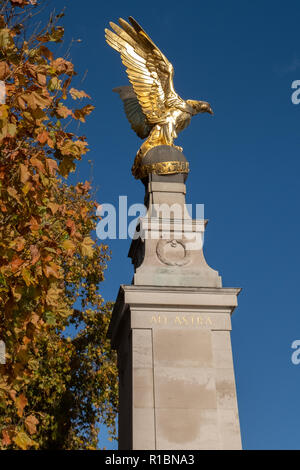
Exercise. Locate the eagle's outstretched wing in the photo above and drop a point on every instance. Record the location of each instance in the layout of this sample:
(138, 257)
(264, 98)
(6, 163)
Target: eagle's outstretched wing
(133, 111)
(148, 70)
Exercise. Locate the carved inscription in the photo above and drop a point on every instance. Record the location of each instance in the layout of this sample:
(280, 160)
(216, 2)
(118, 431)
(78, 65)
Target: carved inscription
(203, 321)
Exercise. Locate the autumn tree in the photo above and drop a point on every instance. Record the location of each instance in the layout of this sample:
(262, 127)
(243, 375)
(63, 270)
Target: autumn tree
(59, 381)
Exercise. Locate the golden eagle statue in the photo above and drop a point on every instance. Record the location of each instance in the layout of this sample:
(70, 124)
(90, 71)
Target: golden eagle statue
(152, 106)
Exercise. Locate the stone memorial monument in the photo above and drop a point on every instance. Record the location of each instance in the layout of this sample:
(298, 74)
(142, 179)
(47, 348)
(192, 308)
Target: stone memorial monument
(171, 326)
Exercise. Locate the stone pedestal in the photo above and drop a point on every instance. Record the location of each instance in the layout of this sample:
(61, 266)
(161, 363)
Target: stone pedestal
(171, 329)
(177, 387)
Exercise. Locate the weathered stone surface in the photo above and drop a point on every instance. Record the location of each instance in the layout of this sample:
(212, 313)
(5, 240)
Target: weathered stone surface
(177, 342)
(181, 428)
(184, 388)
(142, 348)
(182, 348)
(143, 388)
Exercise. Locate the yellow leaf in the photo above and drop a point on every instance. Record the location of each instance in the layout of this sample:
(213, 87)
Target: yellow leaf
(3, 111)
(54, 84)
(87, 247)
(53, 296)
(5, 38)
(69, 246)
(27, 187)
(24, 441)
(26, 275)
(12, 129)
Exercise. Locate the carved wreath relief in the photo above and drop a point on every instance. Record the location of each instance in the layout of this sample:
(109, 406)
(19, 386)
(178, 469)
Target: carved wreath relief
(173, 252)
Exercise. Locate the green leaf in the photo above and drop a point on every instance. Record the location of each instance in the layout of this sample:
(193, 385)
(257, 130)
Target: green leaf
(50, 318)
(5, 38)
(54, 84)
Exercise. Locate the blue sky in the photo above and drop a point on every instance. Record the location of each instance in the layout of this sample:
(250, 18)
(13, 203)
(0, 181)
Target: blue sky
(242, 57)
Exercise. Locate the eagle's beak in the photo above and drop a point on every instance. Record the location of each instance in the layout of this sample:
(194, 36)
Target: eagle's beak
(210, 111)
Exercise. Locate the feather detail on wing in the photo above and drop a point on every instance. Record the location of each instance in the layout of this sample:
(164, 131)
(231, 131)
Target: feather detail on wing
(148, 70)
(133, 111)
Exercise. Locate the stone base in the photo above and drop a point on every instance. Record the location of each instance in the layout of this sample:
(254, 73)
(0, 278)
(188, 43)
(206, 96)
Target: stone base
(169, 249)
(177, 386)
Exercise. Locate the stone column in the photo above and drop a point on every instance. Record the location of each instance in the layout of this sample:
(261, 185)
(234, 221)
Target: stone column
(171, 329)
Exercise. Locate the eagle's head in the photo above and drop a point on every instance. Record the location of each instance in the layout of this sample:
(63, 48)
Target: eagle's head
(200, 106)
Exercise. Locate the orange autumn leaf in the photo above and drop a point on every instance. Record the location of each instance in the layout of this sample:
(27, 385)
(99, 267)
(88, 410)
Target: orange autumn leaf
(42, 78)
(53, 207)
(26, 340)
(6, 440)
(33, 224)
(4, 70)
(12, 394)
(18, 244)
(35, 254)
(21, 402)
(31, 423)
(43, 137)
(83, 112)
(46, 52)
(24, 173)
(16, 263)
(62, 66)
(52, 269)
(52, 166)
(34, 318)
(71, 225)
(36, 162)
(13, 193)
(77, 94)
(38, 100)
(63, 111)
